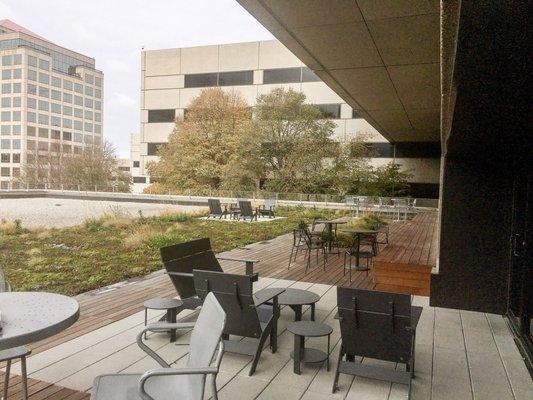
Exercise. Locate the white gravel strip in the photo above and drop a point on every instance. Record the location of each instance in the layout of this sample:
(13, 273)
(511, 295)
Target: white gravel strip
(49, 212)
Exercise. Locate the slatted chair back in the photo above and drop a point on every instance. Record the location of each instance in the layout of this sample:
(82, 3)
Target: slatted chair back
(183, 258)
(375, 324)
(234, 293)
(246, 208)
(214, 206)
(205, 338)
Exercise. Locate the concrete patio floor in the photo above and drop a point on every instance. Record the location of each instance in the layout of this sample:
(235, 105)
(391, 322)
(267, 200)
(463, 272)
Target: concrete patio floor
(459, 355)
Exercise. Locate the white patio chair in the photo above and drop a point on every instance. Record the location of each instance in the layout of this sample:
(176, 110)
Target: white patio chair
(185, 383)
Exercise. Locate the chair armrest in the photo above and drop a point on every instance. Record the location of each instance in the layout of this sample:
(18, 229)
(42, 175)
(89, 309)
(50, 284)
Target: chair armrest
(157, 327)
(249, 263)
(182, 274)
(266, 295)
(171, 372)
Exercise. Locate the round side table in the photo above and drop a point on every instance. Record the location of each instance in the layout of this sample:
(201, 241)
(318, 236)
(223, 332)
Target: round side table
(169, 305)
(301, 330)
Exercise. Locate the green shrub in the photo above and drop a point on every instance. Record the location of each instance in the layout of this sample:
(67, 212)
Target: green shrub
(174, 217)
(94, 224)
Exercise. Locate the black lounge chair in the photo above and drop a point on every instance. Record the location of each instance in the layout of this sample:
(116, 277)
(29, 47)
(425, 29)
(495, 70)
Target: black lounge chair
(378, 325)
(181, 259)
(267, 209)
(215, 209)
(248, 315)
(246, 210)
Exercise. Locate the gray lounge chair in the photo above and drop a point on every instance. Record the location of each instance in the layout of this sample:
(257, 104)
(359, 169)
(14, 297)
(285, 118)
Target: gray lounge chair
(249, 315)
(181, 259)
(186, 383)
(378, 325)
(247, 211)
(267, 209)
(215, 209)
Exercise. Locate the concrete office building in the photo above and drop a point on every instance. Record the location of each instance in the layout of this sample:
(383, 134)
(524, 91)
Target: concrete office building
(171, 78)
(51, 100)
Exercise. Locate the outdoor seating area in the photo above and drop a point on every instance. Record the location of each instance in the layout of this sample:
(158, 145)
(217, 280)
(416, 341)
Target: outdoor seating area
(242, 210)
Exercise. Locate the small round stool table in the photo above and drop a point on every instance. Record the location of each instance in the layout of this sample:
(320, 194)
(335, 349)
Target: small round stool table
(169, 305)
(295, 299)
(301, 330)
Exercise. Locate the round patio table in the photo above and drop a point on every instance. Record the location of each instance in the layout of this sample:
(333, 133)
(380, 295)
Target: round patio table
(295, 299)
(357, 232)
(27, 317)
(169, 305)
(329, 226)
(301, 354)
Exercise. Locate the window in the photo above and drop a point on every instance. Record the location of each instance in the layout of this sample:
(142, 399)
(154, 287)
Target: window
(56, 82)
(56, 134)
(30, 145)
(16, 158)
(55, 108)
(161, 115)
(97, 128)
(235, 78)
(97, 105)
(16, 102)
(201, 80)
(88, 103)
(67, 85)
(4, 171)
(355, 114)
(7, 60)
(55, 121)
(54, 147)
(44, 78)
(32, 89)
(6, 74)
(88, 127)
(5, 130)
(31, 102)
(17, 59)
(126, 169)
(6, 88)
(43, 146)
(88, 91)
(5, 144)
(67, 123)
(78, 137)
(44, 119)
(98, 93)
(89, 79)
(309, 76)
(139, 179)
(32, 61)
(330, 110)
(43, 133)
(78, 125)
(78, 88)
(282, 75)
(55, 95)
(16, 115)
(5, 158)
(44, 92)
(67, 136)
(136, 164)
(31, 117)
(30, 131)
(152, 148)
(16, 144)
(6, 102)
(78, 113)
(32, 75)
(78, 100)
(17, 129)
(98, 117)
(16, 87)
(67, 148)
(43, 105)
(98, 81)
(67, 97)
(67, 110)
(6, 115)
(17, 73)
(88, 114)
(44, 64)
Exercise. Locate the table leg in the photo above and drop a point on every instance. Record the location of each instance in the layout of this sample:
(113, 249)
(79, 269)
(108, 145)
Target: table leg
(299, 343)
(330, 237)
(171, 317)
(297, 312)
(6, 378)
(358, 250)
(327, 361)
(313, 312)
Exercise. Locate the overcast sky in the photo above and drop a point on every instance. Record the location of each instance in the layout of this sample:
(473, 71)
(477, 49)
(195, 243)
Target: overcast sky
(114, 31)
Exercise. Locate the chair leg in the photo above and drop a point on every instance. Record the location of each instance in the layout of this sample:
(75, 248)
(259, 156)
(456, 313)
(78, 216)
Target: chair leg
(214, 388)
(336, 378)
(290, 257)
(260, 346)
(6, 378)
(24, 378)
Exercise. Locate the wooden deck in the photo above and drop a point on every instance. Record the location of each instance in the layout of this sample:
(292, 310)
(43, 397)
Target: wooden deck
(111, 304)
(405, 264)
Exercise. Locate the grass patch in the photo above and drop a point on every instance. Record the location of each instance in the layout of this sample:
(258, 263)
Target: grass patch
(106, 250)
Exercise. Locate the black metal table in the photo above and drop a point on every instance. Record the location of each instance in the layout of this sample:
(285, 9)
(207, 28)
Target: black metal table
(301, 330)
(329, 226)
(169, 305)
(357, 232)
(295, 299)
